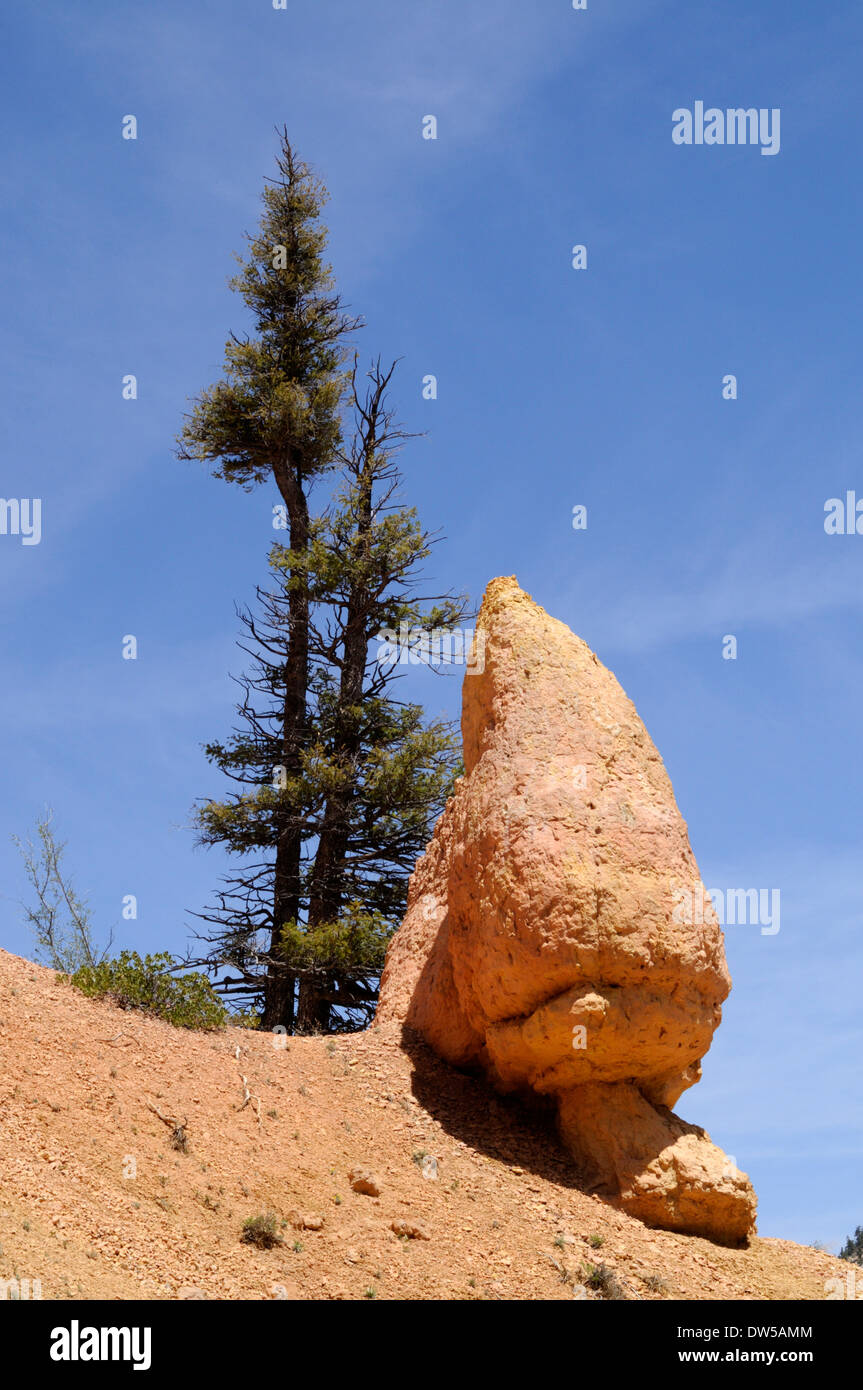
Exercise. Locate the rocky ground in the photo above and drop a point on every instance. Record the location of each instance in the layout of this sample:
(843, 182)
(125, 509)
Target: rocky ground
(95, 1202)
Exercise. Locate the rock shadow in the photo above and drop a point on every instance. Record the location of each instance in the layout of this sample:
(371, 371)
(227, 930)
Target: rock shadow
(517, 1130)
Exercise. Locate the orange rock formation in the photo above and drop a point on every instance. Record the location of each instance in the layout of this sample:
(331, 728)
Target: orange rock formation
(541, 941)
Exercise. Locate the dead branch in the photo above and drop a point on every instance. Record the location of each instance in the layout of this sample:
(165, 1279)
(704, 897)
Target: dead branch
(178, 1128)
(248, 1098)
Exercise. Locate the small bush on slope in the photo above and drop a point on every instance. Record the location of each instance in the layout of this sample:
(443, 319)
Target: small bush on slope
(261, 1231)
(186, 1001)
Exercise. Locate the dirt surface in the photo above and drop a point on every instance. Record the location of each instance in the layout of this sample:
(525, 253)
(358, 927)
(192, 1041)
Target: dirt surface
(95, 1202)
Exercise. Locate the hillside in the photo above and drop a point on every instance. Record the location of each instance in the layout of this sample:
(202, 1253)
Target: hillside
(96, 1203)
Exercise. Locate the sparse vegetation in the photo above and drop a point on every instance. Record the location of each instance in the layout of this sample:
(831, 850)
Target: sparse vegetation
(179, 1139)
(656, 1284)
(596, 1241)
(603, 1281)
(59, 919)
(261, 1231)
(853, 1248)
(246, 1018)
(186, 1001)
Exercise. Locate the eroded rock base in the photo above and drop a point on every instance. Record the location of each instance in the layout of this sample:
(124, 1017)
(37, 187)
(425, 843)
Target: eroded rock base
(655, 1166)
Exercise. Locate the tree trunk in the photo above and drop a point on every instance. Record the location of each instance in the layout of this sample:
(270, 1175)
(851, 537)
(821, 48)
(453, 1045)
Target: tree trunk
(313, 1007)
(325, 893)
(287, 901)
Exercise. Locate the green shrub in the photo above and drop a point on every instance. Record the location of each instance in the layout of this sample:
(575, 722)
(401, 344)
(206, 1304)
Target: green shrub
(603, 1281)
(356, 942)
(262, 1231)
(186, 1001)
(245, 1018)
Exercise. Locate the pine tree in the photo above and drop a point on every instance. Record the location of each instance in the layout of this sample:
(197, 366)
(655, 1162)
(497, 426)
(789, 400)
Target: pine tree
(276, 415)
(853, 1248)
(340, 780)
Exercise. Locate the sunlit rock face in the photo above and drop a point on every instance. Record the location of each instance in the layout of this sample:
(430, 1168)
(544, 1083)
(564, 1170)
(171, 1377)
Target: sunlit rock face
(544, 940)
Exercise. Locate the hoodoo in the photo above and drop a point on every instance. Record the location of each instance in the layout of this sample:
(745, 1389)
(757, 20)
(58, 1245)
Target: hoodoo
(540, 941)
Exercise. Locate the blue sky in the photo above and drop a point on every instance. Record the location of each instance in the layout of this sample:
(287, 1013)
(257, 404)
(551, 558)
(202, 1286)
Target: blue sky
(556, 387)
